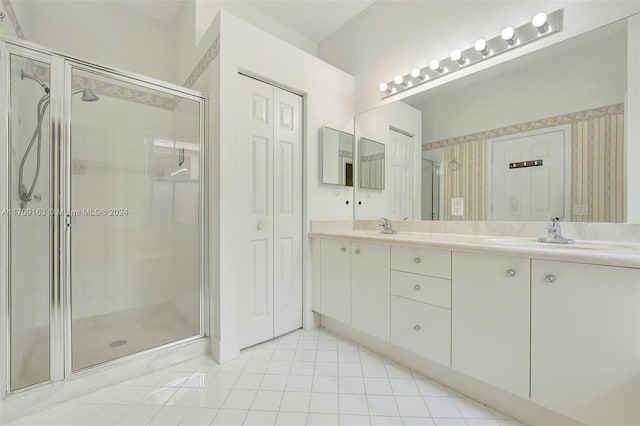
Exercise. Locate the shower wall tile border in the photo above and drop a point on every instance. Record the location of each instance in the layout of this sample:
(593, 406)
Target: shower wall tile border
(558, 120)
(13, 17)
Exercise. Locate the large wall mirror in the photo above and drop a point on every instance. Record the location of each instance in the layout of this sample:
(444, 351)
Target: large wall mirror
(539, 136)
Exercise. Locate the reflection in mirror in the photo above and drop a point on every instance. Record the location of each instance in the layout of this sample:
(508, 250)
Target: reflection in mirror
(539, 136)
(371, 164)
(337, 157)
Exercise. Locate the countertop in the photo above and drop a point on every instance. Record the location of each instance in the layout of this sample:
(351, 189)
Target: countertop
(609, 253)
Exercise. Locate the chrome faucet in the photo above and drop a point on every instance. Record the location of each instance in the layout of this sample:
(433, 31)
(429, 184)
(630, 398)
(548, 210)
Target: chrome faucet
(554, 233)
(386, 227)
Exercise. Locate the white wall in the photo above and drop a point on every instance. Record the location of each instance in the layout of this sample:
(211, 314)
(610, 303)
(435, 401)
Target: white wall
(328, 97)
(23, 11)
(546, 85)
(393, 37)
(100, 31)
(207, 10)
(375, 125)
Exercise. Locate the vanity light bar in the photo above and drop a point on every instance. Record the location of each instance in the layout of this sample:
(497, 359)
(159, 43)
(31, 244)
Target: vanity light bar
(510, 38)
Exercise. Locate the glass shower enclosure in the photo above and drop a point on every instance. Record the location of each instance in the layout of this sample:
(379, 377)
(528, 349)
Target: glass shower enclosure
(102, 215)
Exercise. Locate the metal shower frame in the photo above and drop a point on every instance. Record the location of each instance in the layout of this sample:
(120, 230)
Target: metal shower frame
(60, 189)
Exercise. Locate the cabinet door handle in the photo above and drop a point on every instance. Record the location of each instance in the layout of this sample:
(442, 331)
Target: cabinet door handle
(511, 273)
(343, 249)
(416, 327)
(260, 226)
(550, 278)
(356, 251)
(416, 287)
(416, 260)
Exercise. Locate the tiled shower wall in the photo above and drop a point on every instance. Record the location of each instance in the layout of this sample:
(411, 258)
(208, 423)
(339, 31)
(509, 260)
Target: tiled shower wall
(598, 169)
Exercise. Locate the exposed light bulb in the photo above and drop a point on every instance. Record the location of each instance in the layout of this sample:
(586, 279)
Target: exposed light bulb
(400, 80)
(481, 46)
(416, 73)
(383, 87)
(435, 66)
(456, 55)
(540, 22)
(509, 35)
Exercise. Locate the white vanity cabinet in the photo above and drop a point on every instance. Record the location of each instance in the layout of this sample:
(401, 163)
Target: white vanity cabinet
(370, 306)
(335, 279)
(564, 335)
(585, 341)
(490, 319)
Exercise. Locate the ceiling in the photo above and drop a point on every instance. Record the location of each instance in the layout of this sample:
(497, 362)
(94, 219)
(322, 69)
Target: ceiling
(315, 19)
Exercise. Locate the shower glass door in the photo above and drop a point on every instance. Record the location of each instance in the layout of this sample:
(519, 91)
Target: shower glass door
(25, 219)
(133, 190)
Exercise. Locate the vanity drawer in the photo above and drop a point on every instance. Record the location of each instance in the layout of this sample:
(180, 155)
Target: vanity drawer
(436, 263)
(423, 288)
(422, 329)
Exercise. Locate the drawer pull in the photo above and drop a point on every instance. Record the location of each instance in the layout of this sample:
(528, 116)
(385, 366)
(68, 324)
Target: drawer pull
(511, 273)
(416, 260)
(416, 327)
(343, 249)
(550, 278)
(356, 251)
(416, 287)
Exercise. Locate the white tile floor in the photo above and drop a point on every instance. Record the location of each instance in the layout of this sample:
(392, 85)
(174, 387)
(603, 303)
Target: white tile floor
(302, 378)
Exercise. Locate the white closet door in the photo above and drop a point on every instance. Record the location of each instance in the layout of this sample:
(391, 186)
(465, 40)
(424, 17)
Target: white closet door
(530, 193)
(401, 171)
(287, 211)
(255, 189)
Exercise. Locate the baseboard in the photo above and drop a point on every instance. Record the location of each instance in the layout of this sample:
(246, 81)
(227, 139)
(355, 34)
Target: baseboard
(311, 320)
(224, 350)
(519, 408)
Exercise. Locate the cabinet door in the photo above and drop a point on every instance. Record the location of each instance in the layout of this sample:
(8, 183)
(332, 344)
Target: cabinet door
(335, 277)
(490, 319)
(585, 341)
(370, 288)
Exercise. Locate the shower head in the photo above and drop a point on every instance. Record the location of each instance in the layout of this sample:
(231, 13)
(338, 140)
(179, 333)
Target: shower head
(24, 75)
(87, 95)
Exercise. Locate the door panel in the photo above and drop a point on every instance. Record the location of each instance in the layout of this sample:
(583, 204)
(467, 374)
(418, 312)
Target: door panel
(30, 178)
(255, 133)
(287, 218)
(401, 175)
(530, 193)
(335, 279)
(134, 180)
(490, 319)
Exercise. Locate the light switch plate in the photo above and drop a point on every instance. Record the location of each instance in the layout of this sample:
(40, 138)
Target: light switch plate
(457, 206)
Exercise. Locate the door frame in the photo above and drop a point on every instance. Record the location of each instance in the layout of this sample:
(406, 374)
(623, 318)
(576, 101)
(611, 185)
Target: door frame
(566, 129)
(304, 219)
